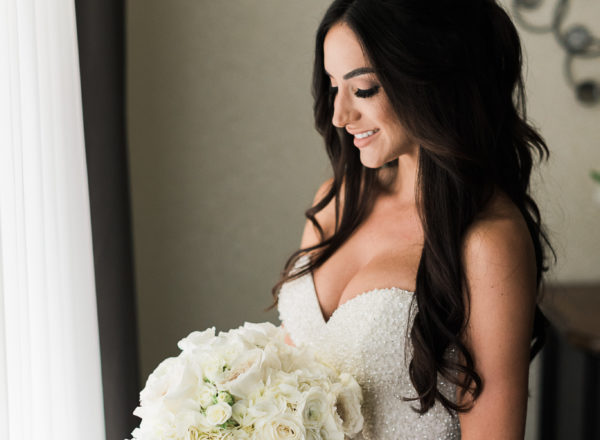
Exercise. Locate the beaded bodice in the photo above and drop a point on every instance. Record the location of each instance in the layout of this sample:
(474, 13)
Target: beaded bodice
(367, 337)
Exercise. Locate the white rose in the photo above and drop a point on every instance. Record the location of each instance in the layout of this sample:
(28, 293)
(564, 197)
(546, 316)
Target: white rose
(312, 369)
(233, 345)
(281, 385)
(206, 395)
(218, 413)
(239, 412)
(183, 420)
(221, 352)
(348, 402)
(260, 334)
(197, 340)
(315, 407)
(159, 380)
(156, 424)
(212, 366)
(265, 408)
(282, 427)
(170, 383)
(165, 425)
(247, 372)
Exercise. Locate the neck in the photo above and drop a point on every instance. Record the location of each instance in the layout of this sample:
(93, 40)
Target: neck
(403, 178)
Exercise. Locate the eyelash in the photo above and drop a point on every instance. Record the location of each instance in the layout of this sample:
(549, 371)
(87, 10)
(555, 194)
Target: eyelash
(360, 93)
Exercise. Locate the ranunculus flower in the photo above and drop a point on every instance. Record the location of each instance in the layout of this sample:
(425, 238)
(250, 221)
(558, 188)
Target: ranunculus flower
(330, 429)
(348, 402)
(218, 413)
(315, 407)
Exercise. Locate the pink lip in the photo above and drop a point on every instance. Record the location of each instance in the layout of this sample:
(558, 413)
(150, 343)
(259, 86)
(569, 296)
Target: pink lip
(361, 143)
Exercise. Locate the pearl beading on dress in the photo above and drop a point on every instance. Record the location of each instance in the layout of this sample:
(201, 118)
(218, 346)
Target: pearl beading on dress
(367, 337)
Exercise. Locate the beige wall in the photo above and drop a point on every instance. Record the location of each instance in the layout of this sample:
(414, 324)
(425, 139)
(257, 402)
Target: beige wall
(223, 156)
(566, 192)
(224, 159)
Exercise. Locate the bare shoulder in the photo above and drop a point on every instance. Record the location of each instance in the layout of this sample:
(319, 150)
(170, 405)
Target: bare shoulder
(498, 243)
(325, 218)
(500, 265)
(500, 270)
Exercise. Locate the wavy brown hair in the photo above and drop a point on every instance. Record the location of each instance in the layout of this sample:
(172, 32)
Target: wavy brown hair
(452, 72)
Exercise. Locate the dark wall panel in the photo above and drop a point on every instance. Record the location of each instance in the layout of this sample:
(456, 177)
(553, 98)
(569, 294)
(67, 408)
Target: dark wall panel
(100, 27)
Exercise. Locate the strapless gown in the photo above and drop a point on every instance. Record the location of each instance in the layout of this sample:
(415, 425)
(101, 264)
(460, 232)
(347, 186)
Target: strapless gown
(367, 337)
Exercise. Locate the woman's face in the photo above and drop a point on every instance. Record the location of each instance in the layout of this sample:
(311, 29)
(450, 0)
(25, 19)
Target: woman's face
(361, 106)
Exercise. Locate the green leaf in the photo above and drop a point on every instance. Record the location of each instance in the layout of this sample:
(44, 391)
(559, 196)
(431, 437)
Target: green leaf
(595, 175)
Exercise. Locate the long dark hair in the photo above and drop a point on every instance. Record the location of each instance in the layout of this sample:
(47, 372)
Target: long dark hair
(452, 72)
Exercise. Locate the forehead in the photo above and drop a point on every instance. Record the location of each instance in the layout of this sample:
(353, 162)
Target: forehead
(342, 51)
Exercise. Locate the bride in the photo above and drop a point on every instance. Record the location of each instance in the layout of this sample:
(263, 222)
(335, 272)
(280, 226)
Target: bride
(421, 259)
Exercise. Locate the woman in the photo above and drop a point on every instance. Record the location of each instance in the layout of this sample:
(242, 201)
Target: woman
(422, 256)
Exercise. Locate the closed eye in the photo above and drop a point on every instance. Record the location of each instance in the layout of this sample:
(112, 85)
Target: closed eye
(360, 93)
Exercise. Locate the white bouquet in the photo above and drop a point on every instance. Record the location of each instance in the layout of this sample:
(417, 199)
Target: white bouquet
(247, 384)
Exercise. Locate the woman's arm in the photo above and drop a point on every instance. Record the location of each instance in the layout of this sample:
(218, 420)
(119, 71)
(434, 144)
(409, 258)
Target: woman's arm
(501, 276)
(325, 217)
(310, 236)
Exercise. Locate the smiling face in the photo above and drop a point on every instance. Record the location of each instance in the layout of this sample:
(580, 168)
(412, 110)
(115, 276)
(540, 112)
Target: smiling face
(361, 106)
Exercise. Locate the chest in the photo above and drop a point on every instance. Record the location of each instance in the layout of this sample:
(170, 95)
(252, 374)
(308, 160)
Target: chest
(374, 348)
(384, 251)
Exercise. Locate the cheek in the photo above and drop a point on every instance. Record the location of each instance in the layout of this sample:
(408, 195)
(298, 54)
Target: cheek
(386, 115)
(395, 129)
(387, 119)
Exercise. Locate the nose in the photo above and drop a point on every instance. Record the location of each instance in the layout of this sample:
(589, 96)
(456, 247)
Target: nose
(344, 111)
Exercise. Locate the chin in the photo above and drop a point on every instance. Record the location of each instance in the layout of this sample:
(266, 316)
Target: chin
(372, 162)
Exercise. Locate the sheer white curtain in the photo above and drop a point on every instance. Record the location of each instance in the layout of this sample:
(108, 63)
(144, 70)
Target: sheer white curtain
(50, 382)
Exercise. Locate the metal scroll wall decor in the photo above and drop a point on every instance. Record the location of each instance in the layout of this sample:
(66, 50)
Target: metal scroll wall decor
(577, 41)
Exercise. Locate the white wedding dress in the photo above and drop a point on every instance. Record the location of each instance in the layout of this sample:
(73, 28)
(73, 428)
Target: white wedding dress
(366, 337)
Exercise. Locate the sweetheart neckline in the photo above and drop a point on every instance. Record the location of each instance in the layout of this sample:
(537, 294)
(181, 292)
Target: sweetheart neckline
(392, 289)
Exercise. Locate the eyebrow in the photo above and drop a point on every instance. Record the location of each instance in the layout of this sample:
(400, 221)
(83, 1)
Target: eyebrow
(356, 72)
